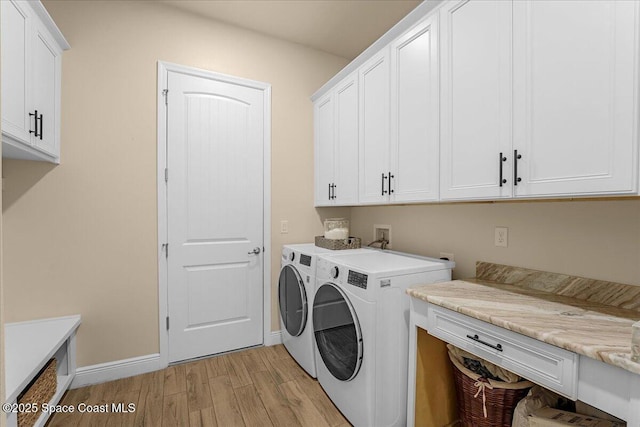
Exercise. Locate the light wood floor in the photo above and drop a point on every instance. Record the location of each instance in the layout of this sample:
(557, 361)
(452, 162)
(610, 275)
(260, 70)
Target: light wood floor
(257, 387)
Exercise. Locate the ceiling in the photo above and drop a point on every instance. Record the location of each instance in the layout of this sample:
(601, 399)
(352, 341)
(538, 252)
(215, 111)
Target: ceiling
(341, 27)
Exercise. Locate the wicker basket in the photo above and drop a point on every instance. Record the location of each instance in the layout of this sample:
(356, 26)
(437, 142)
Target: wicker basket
(38, 392)
(497, 398)
(338, 244)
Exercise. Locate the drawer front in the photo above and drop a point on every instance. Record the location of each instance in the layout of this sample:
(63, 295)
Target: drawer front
(539, 362)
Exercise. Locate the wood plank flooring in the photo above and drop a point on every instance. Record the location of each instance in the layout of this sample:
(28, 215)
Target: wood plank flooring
(257, 387)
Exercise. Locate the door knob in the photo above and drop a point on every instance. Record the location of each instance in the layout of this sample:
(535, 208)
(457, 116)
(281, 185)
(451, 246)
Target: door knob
(255, 251)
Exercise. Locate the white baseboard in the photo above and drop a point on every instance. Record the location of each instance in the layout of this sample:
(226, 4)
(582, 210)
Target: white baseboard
(274, 338)
(95, 374)
(110, 371)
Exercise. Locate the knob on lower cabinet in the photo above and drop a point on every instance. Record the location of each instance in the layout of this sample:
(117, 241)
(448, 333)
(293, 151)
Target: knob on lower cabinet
(335, 272)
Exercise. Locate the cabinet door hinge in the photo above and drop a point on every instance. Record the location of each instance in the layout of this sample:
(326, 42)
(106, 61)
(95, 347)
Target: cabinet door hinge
(165, 93)
(166, 174)
(167, 323)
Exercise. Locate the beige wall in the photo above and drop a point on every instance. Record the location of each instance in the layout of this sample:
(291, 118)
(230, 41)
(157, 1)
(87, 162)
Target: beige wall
(81, 237)
(595, 239)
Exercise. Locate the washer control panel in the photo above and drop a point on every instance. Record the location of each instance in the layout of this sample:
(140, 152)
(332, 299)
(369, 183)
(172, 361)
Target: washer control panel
(305, 260)
(357, 279)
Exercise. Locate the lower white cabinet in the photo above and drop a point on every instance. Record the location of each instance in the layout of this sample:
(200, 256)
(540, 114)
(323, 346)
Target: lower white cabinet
(32, 49)
(607, 387)
(28, 348)
(542, 363)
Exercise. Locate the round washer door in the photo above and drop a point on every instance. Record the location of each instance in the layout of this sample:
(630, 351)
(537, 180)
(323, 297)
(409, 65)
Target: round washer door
(292, 300)
(337, 332)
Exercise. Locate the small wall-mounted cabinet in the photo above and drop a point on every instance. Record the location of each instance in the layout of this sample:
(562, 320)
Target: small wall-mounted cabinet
(531, 100)
(32, 49)
(336, 145)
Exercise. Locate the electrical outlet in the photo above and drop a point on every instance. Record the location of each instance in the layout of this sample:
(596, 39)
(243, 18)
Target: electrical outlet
(447, 255)
(284, 226)
(501, 237)
(381, 231)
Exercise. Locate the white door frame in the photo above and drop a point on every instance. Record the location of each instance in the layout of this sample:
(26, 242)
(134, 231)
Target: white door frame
(163, 300)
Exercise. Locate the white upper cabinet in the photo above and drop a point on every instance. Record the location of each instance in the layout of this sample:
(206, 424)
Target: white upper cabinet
(336, 145)
(374, 129)
(414, 114)
(16, 100)
(345, 190)
(575, 96)
(488, 100)
(324, 149)
(31, 75)
(476, 100)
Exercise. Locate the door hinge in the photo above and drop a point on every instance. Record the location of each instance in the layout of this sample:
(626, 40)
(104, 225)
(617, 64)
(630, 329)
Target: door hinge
(165, 247)
(165, 93)
(167, 323)
(166, 174)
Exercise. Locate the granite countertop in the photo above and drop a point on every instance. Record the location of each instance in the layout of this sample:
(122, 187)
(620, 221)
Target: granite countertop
(578, 323)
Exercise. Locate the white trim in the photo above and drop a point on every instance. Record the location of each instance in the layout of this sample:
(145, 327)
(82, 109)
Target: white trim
(274, 338)
(163, 69)
(110, 371)
(415, 16)
(163, 232)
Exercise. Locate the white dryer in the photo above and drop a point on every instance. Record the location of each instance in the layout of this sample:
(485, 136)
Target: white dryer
(361, 328)
(296, 288)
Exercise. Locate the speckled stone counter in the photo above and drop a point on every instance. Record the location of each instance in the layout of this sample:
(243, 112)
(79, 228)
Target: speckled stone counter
(589, 317)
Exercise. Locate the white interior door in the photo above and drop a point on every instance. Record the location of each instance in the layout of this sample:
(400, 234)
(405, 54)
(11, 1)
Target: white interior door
(215, 149)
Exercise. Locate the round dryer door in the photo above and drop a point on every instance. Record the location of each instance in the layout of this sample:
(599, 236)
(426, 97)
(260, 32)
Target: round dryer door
(292, 299)
(337, 332)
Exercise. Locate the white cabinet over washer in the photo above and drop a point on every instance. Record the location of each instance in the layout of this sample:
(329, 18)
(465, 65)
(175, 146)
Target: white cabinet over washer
(336, 145)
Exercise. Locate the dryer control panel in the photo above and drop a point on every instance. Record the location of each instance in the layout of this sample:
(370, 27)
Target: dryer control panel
(357, 279)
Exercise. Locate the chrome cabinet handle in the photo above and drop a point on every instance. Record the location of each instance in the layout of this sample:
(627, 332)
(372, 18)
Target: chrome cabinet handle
(255, 251)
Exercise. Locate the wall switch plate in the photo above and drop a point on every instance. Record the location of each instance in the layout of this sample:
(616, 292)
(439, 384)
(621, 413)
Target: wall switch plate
(501, 237)
(382, 231)
(284, 226)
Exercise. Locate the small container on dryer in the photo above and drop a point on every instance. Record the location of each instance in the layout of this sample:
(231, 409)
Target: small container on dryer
(336, 228)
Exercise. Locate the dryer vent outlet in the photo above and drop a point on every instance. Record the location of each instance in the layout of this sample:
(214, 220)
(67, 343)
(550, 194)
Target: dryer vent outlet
(382, 233)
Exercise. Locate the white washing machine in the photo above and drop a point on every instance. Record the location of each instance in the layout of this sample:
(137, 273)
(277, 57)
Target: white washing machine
(361, 328)
(296, 288)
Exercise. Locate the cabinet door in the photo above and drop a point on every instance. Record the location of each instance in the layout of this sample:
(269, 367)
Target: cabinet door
(414, 151)
(374, 129)
(46, 96)
(476, 99)
(346, 142)
(575, 77)
(324, 145)
(16, 39)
